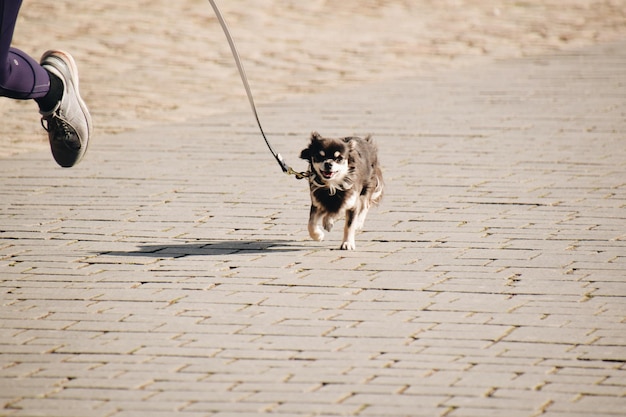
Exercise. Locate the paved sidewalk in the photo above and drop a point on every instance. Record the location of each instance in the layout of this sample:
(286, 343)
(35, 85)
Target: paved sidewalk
(170, 273)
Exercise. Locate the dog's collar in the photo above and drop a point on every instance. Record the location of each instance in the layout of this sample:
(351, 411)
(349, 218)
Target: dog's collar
(317, 183)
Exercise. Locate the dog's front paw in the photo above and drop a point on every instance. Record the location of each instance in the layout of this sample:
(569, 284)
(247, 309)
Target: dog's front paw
(348, 245)
(316, 233)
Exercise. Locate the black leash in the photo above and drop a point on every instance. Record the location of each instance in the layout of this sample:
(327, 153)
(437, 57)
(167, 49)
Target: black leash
(283, 165)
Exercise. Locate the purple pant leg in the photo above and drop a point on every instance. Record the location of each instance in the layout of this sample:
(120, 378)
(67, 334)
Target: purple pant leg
(21, 77)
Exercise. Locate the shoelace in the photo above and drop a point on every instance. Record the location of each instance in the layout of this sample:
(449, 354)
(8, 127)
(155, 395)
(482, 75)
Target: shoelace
(62, 130)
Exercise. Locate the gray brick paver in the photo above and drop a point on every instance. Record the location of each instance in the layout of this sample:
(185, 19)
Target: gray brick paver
(488, 283)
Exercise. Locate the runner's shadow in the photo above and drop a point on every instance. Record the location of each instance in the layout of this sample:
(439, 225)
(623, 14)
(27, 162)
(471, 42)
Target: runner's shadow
(226, 247)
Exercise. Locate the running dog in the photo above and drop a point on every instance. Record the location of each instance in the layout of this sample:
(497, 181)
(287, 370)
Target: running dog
(345, 180)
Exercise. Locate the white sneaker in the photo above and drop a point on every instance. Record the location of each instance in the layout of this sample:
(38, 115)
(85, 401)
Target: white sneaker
(69, 123)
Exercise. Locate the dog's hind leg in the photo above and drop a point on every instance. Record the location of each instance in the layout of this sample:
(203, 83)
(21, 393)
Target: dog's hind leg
(329, 222)
(359, 221)
(349, 231)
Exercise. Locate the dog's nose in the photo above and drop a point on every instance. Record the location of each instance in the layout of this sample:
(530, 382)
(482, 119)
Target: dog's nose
(328, 166)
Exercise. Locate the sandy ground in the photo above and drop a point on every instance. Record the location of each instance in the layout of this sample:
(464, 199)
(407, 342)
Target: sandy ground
(153, 61)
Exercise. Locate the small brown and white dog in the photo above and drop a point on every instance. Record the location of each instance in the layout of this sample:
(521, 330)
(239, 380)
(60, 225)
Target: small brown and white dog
(345, 180)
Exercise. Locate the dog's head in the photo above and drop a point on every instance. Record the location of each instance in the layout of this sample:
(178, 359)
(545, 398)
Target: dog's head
(329, 158)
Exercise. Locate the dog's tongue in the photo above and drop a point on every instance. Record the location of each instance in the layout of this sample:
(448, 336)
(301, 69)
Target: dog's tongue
(327, 174)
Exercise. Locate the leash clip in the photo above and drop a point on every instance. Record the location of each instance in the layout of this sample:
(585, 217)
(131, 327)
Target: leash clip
(289, 170)
(298, 175)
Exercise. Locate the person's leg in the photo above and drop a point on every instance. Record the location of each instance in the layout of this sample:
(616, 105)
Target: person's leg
(53, 84)
(21, 77)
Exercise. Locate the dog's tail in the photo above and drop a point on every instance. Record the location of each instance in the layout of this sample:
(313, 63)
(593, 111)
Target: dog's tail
(377, 195)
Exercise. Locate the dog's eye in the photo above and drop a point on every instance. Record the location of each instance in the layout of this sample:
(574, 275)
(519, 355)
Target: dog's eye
(339, 158)
(319, 156)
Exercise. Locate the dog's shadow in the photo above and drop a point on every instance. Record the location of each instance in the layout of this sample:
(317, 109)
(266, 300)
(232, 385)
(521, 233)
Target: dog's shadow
(211, 248)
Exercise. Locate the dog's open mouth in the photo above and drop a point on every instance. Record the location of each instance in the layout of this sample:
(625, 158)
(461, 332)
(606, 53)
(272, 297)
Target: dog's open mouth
(328, 174)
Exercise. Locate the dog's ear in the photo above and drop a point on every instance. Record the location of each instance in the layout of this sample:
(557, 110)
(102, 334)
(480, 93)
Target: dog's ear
(306, 153)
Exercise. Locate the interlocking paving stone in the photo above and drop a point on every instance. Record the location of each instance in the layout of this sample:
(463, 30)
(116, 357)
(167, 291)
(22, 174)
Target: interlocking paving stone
(170, 273)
